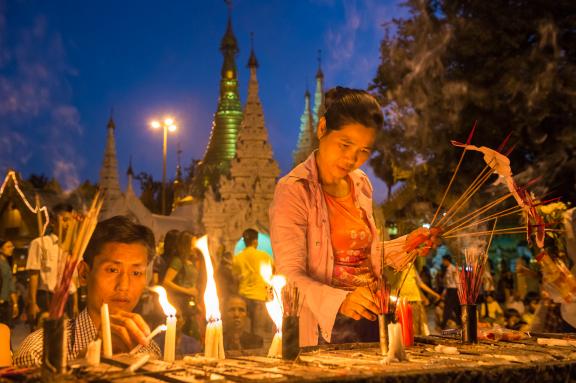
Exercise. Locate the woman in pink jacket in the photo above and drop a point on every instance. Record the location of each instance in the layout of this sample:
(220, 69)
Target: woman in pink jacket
(323, 233)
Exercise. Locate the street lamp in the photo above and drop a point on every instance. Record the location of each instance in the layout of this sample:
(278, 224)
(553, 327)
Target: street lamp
(168, 125)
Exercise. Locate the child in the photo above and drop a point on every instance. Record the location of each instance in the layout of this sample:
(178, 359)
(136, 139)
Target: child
(490, 310)
(514, 320)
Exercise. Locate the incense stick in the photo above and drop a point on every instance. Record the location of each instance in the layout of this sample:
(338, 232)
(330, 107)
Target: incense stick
(77, 236)
(502, 213)
(454, 174)
(482, 209)
(471, 190)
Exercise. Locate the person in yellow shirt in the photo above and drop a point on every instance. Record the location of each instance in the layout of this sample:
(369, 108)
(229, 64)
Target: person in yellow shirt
(411, 291)
(246, 268)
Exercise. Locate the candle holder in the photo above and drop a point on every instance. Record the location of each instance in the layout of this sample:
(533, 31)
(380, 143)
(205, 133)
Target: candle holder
(54, 355)
(469, 324)
(290, 337)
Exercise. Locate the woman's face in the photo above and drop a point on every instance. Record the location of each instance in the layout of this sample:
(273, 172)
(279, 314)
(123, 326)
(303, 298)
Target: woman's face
(7, 249)
(343, 151)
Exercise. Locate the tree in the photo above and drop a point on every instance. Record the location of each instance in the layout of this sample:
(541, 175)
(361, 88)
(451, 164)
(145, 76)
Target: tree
(38, 181)
(151, 195)
(509, 64)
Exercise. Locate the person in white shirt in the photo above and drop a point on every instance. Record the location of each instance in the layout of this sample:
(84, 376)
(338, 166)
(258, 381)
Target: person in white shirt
(45, 263)
(452, 310)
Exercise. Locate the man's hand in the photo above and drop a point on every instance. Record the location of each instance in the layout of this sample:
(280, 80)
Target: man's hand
(359, 304)
(33, 311)
(15, 311)
(128, 330)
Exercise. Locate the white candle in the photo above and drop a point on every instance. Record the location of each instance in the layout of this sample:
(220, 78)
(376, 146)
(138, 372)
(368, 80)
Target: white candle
(395, 347)
(93, 352)
(170, 339)
(214, 342)
(139, 363)
(275, 350)
(106, 335)
(383, 332)
(156, 331)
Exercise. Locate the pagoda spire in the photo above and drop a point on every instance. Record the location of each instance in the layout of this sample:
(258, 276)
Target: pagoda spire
(318, 110)
(306, 137)
(222, 144)
(246, 193)
(130, 175)
(108, 182)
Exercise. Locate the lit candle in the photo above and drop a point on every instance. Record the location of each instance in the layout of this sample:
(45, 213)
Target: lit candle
(106, 335)
(170, 312)
(274, 307)
(170, 339)
(214, 339)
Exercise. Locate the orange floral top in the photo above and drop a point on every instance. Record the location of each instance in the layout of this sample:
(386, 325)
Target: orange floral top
(351, 241)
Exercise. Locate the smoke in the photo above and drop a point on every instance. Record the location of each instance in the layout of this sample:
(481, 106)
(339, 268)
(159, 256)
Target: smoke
(39, 125)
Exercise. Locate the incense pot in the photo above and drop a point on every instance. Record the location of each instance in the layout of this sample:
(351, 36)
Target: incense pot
(290, 337)
(54, 355)
(469, 324)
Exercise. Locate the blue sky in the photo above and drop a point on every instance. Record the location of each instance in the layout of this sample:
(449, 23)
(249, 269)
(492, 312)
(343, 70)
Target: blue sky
(65, 64)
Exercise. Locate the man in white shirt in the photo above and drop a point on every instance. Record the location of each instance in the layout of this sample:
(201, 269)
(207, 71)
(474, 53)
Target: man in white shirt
(45, 263)
(452, 309)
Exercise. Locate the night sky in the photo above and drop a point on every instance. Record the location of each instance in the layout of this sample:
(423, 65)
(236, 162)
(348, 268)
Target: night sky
(64, 65)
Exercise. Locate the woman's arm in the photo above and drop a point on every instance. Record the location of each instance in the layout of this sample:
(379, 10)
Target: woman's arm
(426, 288)
(169, 283)
(288, 229)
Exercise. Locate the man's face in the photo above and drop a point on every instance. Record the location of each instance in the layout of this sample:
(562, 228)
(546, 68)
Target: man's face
(117, 277)
(236, 314)
(7, 249)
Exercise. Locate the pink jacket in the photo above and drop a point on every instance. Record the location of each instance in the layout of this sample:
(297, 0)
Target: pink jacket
(300, 233)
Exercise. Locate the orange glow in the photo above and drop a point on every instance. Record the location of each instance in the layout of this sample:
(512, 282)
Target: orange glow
(210, 295)
(274, 306)
(155, 124)
(169, 310)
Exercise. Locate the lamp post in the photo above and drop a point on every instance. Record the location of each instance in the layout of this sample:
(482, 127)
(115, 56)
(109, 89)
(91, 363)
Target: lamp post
(168, 125)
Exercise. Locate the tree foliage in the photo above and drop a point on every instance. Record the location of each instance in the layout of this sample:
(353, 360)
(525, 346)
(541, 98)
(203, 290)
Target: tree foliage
(508, 64)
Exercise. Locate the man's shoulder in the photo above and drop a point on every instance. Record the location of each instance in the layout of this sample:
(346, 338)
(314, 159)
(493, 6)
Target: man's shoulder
(29, 354)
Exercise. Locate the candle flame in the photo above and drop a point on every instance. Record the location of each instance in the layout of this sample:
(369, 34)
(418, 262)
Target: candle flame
(210, 295)
(169, 310)
(274, 306)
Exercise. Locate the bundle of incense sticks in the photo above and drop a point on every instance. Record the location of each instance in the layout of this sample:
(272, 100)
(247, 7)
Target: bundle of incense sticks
(74, 237)
(470, 273)
(380, 291)
(292, 303)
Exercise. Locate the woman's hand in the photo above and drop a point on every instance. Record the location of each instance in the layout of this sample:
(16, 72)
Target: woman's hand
(423, 240)
(359, 304)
